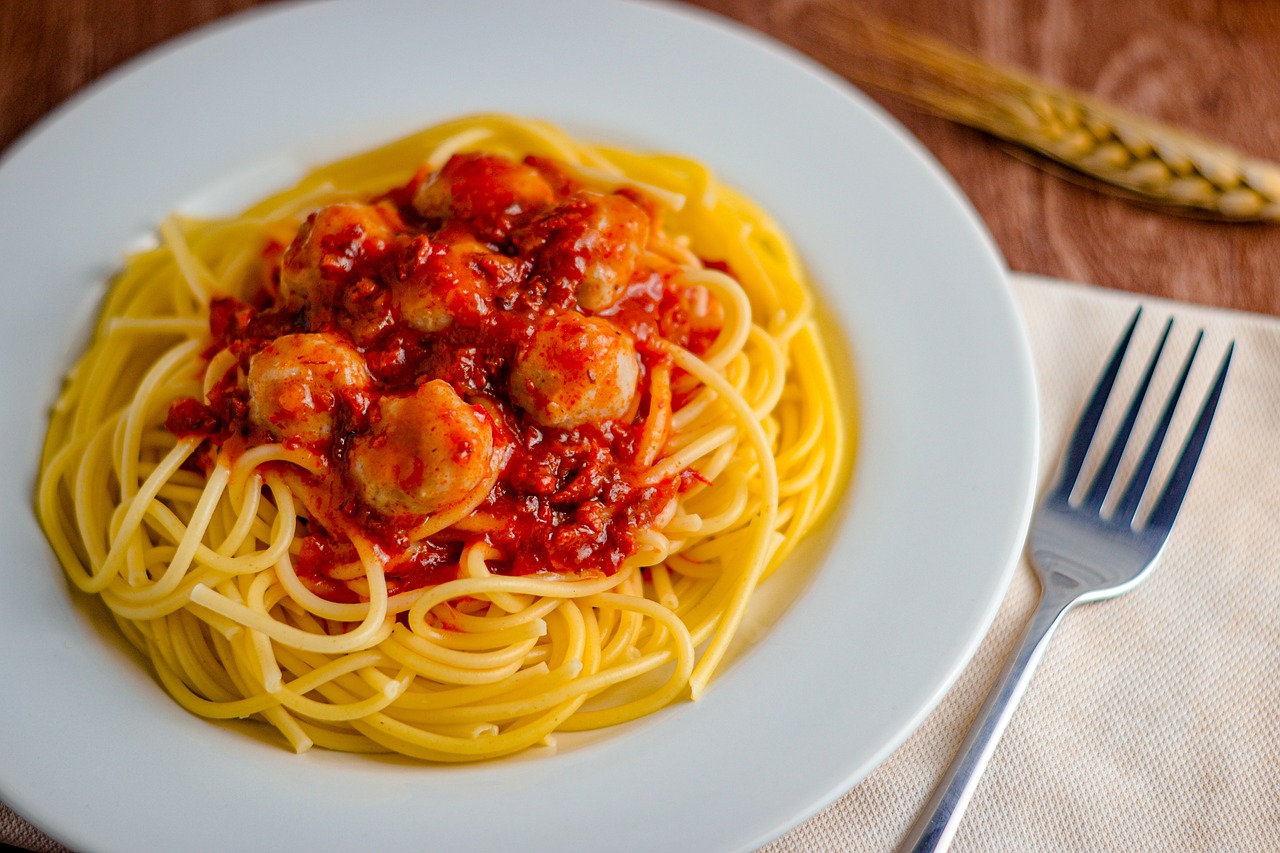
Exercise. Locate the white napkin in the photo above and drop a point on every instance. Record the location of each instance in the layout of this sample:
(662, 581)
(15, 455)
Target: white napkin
(1154, 720)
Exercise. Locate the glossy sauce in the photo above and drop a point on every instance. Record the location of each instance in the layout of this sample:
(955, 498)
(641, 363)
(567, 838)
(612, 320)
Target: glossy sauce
(452, 277)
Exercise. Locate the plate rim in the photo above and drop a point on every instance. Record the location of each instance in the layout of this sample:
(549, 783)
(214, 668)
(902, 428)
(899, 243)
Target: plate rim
(119, 77)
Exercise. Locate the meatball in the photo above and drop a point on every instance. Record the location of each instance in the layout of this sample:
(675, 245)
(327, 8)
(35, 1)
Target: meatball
(426, 452)
(454, 282)
(488, 192)
(329, 247)
(574, 370)
(296, 381)
(591, 244)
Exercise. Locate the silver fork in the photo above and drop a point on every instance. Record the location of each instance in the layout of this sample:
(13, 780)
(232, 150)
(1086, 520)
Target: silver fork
(1080, 554)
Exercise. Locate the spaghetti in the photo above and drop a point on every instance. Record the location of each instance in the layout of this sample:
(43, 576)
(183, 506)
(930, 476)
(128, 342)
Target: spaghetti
(478, 436)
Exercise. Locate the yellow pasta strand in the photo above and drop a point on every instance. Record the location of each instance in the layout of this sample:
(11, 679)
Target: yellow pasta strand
(198, 551)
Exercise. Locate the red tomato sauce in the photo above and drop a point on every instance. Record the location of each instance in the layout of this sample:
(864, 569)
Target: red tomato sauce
(490, 247)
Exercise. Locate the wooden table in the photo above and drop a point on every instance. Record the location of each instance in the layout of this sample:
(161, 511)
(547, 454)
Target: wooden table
(1209, 66)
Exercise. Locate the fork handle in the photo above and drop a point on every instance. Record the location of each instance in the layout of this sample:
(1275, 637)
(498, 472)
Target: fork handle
(937, 824)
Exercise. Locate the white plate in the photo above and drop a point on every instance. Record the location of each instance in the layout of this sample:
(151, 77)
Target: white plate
(891, 600)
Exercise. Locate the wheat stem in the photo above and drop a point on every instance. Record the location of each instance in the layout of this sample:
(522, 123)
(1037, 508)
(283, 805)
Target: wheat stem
(1137, 157)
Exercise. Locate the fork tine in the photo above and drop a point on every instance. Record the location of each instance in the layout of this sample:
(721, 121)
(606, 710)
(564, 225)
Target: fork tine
(1107, 471)
(1078, 447)
(1170, 501)
(1128, 504)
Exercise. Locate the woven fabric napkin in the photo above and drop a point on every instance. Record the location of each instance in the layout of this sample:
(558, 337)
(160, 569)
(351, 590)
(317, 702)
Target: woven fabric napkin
(1153, 722)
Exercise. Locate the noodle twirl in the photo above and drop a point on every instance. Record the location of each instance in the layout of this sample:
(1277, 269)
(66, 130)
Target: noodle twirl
(479, 436)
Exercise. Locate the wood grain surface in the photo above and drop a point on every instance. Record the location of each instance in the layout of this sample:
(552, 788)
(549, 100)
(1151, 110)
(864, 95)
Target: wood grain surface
(1208, 65)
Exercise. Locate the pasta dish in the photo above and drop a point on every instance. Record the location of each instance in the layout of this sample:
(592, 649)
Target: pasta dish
(476, 437)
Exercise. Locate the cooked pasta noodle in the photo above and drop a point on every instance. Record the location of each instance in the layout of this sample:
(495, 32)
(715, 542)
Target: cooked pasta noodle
(602, 367)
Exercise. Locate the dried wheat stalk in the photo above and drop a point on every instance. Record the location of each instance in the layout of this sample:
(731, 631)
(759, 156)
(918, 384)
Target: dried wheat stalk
(1139, 158)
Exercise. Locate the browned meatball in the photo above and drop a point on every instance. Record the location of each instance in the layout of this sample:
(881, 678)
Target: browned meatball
(575, 370)
(295, 382)
(426, 452)
(490, 193)
(591, 244)
(327, 249)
